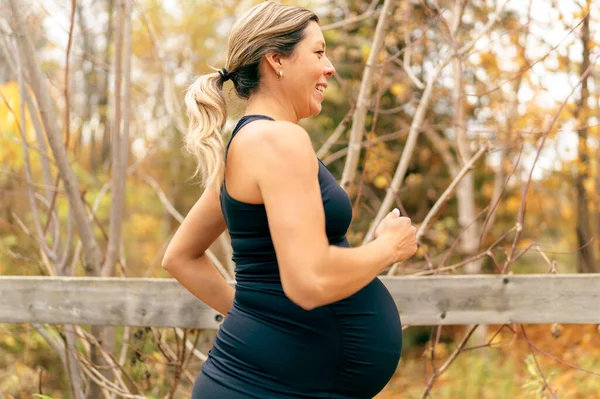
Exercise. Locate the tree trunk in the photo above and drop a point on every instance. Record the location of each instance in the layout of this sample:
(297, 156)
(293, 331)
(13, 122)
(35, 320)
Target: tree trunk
(119, 152)
(120, 138)
(465, 193)
(597, 182)
(99, 157)
(586, 256)
(88, 51)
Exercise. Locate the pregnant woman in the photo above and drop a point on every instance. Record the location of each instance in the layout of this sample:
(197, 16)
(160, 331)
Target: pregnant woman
(308, 317)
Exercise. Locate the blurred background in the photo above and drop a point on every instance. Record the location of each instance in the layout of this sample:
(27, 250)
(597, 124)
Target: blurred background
(500, 98)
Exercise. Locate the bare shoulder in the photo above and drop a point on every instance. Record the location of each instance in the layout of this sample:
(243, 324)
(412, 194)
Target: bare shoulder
(278, 144)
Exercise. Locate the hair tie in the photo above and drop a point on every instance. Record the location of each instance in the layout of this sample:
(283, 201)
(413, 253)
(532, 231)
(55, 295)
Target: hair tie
(224, 74)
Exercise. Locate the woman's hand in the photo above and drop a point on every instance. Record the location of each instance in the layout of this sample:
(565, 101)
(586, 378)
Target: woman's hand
(401, 235)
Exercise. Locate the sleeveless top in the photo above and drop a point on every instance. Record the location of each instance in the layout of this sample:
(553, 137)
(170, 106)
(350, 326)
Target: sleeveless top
(268, 347)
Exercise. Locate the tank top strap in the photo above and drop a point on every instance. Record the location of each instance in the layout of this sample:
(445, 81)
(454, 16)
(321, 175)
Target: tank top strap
(243, 122)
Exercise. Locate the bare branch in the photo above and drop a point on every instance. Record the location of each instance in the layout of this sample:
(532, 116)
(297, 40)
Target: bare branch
(339, 130)
(33, 114)
(179, 217)
(448, 362)
(172, 102)
(414, 131)
(442, 147)
(386, 137)
(443, 198)
(93, 254)
(68, 361)
(537, 365)
(358, 119)
(493, 19)
(370, 13)
(406, 152)
(120, 141)
(67, 108)
(520, 216)
(201, 356)
(31, 194)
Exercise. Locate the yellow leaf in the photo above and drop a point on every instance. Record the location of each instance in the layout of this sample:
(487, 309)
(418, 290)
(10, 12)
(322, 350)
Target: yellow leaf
(9, 341)
(513, 204)
(397, 89)
(380, 182)
(525, 242)
(441, 351)
(588, 185)
(487, 189)
(365, 51)
(566, 211)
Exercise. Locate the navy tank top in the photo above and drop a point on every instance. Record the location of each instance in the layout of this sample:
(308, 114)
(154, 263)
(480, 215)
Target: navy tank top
(270, 348)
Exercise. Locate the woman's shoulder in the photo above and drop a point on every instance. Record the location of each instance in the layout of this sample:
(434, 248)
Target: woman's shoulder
(275, 139)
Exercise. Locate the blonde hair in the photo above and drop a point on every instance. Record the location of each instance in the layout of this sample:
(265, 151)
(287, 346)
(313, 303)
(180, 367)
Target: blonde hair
(266, 28)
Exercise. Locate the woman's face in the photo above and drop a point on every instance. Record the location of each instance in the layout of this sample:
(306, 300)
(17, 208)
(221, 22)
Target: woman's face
(305, 74)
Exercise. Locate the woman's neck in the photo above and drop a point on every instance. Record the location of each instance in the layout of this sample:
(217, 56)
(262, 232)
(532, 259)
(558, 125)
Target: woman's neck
(271, 105)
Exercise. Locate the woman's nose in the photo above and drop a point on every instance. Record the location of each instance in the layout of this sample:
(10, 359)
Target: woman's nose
(329, 69)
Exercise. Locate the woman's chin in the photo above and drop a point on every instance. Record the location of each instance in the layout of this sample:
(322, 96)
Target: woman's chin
(316, 110)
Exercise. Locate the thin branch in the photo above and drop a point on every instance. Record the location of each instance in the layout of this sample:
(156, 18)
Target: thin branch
(537, 365)
(179, 217)
(367, 14)
(494, 17)
(110, 362)
(442, 148)
(406, 152)
(67, 105)
(56, 344)
(172, 102)
(520, 74)
(358, 119)
(192, 347)
(556, 359)
(386, 137)
(495, 201)
(414, 132)
(339, 130)
(443, 198)
(28, 173)
(520, 216)
(42, 148)
(93, 254)
(448, 362)
(458, 239)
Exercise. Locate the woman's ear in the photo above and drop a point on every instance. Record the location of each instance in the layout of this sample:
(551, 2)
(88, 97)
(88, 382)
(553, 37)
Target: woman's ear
(274, 62)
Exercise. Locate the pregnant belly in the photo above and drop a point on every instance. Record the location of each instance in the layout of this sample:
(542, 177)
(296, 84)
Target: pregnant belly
(348, 349)
(371, 338)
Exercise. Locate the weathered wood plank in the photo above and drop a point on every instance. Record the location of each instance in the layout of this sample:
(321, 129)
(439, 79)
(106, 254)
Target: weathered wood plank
(434, 300)
(528, 299)
(102, 301)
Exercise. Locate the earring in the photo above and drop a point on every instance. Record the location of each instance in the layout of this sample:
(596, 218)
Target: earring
(280, 75)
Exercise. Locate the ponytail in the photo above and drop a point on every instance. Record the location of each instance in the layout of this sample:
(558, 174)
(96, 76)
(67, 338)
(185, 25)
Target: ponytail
(207, 113)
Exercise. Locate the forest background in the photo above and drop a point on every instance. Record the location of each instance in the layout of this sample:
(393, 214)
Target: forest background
(498, 100)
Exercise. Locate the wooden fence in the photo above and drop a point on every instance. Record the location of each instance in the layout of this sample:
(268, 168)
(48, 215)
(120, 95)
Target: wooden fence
(435, 300)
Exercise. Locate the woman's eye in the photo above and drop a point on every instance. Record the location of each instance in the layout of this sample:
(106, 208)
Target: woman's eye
(321, 52)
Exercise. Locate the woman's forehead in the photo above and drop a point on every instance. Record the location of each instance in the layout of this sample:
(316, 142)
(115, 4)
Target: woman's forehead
(314, 36)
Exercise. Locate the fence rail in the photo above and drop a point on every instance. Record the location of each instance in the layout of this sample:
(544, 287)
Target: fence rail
(435, 300)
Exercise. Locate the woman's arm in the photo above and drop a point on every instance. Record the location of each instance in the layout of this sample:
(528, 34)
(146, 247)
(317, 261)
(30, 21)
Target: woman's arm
(314, 273)
(186, 260)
